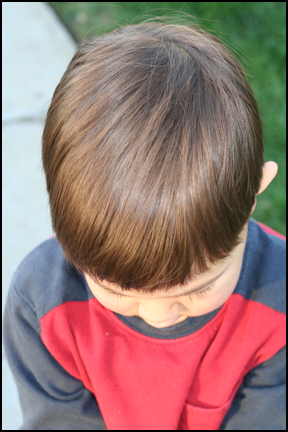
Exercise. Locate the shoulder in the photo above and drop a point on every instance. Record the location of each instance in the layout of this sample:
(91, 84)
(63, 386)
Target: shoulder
(270, 245)
(44, 279)
(266, 246)
(263, 273)
(270, 230)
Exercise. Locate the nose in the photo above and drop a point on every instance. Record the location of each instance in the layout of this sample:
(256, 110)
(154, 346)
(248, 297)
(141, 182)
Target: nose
(158, 313)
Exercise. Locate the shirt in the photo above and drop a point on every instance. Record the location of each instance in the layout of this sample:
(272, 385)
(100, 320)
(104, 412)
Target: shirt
(79, 366)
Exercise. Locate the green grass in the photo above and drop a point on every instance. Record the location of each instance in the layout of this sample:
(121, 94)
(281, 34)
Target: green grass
(255, 32)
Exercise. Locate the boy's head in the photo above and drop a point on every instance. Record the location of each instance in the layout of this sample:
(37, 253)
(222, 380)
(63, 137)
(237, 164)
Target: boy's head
(153, 156)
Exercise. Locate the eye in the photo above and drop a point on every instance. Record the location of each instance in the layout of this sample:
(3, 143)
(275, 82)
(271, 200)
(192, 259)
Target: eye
(114, 296)
(200, 294)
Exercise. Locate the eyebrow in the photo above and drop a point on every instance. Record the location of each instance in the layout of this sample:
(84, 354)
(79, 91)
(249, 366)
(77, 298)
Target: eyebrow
(196, 289)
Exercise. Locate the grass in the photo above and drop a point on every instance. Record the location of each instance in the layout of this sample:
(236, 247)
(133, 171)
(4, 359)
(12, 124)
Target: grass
(255, 32)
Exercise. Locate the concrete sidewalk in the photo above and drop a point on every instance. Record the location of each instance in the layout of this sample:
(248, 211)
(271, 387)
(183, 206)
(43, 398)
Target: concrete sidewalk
(36, 51)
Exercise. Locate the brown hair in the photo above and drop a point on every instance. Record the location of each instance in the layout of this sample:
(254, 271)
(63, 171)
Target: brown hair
(153, 155)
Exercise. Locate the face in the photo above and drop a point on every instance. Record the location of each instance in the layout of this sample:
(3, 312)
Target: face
(160, 311)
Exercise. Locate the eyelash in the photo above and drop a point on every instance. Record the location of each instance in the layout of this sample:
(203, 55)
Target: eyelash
(200, 294)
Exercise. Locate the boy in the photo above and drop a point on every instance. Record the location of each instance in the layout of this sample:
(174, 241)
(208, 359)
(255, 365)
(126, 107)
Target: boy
(160, 303)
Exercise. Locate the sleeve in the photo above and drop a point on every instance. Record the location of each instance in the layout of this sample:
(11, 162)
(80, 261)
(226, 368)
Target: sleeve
(50, 398)
(260, 403)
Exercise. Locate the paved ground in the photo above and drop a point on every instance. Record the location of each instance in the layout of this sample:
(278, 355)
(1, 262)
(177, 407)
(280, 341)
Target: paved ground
(36, 51)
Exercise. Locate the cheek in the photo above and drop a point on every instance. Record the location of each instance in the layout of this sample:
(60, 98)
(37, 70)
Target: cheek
(206, 305)
(198, 307)
(221, 297)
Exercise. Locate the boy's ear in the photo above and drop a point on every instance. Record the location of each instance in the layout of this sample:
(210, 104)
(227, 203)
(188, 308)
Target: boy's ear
(269, 172)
